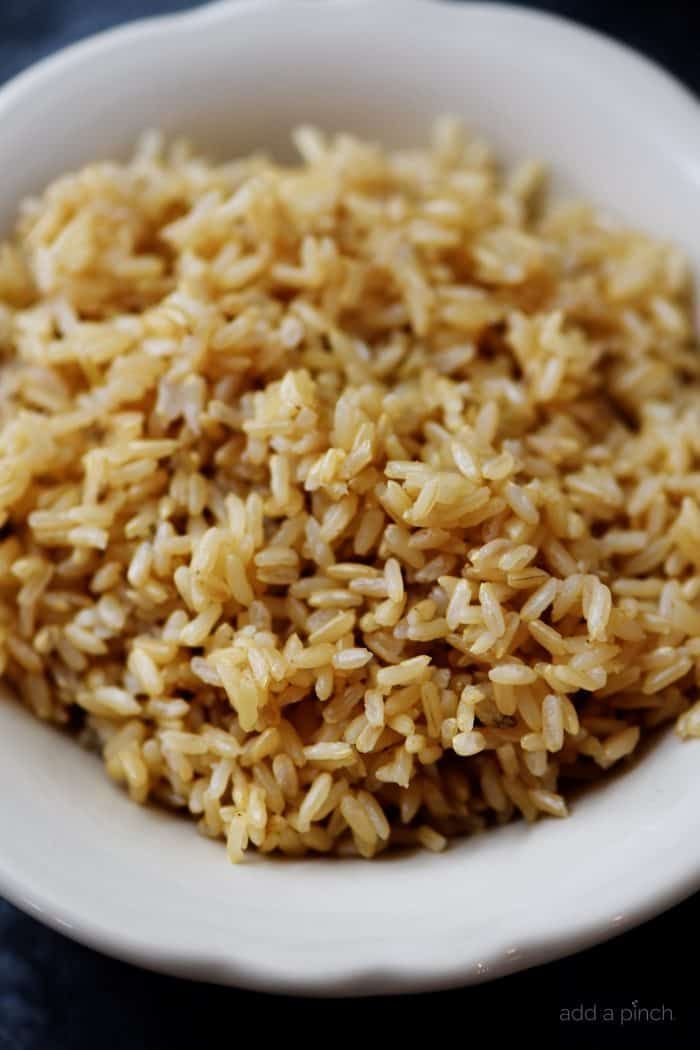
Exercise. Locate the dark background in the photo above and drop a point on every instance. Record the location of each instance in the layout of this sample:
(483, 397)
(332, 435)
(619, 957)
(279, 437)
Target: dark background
(56, 995)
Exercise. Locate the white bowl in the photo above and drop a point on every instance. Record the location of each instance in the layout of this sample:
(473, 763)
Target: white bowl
(143, 885)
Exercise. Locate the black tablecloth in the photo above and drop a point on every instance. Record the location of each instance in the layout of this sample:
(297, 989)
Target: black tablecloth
(56, 995)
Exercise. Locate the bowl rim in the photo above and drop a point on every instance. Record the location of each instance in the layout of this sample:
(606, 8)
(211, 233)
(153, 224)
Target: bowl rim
(395, 974)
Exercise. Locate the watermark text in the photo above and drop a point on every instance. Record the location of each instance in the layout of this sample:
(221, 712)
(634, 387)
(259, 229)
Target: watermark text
(633, 1013)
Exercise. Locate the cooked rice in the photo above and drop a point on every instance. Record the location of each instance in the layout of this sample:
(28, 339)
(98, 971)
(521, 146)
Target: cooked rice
(351, 504)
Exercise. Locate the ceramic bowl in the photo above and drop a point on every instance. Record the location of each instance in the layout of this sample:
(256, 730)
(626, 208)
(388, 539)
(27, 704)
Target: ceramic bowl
(141, 884)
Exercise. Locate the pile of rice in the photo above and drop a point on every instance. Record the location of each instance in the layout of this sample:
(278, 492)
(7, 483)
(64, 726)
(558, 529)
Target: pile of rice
(349, 504)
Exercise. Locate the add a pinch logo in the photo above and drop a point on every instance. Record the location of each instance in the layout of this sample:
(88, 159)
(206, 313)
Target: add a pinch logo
(632, 1013)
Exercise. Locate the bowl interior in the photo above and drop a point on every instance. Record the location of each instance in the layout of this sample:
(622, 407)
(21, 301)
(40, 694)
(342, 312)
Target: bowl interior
(142, 883)
(238, 76)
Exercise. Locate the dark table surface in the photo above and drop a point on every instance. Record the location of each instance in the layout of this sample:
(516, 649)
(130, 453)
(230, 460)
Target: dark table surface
(56, 995)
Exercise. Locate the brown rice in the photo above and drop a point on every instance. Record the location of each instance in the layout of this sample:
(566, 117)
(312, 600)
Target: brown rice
(348, 504)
